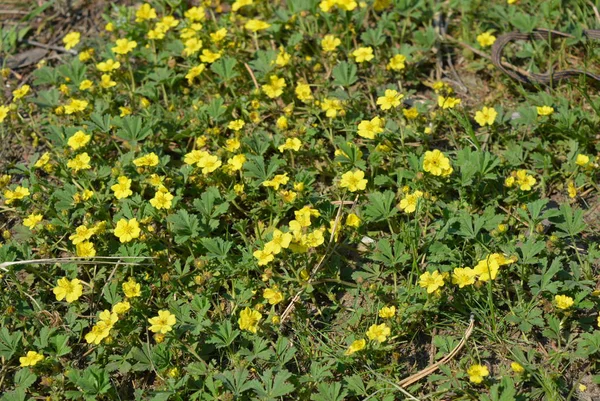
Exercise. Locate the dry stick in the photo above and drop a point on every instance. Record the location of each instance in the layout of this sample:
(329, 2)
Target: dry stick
(50, 47)
(432, 368)
(107, 260)
(252, 76)
(290, 308)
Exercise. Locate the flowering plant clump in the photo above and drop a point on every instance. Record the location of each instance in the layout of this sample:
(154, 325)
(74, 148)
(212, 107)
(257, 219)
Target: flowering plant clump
(263, 200)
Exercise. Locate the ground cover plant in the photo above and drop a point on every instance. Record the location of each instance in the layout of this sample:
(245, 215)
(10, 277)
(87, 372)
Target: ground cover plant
(302, 200)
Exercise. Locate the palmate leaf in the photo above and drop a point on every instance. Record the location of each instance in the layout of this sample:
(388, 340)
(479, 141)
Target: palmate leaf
(381, 206)
(344, 74)
(184, 226)
(274, 386)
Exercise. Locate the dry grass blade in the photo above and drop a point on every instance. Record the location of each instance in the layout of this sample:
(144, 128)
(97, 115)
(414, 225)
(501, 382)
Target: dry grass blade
(105, 260)
(432, 368)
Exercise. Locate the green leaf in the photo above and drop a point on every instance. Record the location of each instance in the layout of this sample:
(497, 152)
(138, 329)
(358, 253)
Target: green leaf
(390, 257)
(224, 335)
(470, 225)
(329, 392)
(380, 206)
(573, 223)
(225, 68)
(132, 129)
(216, 247)
(274, 387)
(24, 379)
(344, 74)
(9, 343)
(184, 226)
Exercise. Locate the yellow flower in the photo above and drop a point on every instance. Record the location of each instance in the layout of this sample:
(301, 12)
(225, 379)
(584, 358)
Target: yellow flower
(145, 12)
(353, 220)
(236, 162)
(30, 359)
(264, 258)
(563, 301)
(255, 25)
(331, 107)
(79, 162)
(3, 112)
(19, 193)
(249, 320)
(544, 110)
(517, 367)
(363, 54)
(122, 188)
(124, 46)
(283, 58)
(42, 161)
(75, 106)
(486, 116)
(108, 65)
(127, 230)
(354, 181)
(98, 333)
(275, 87)
(194, 72)
(486, 39)
(162, 199)
(409, 203)
(82, 233)
(279, 179)
(192, 46)
(121, 307)
(387, 312)
(195, 14)
(218, 35)
(71, 40)
(109, 27)
(524, 180)
(280, 241)
(125, 111)
(86, 55)
(448, 102)
(477, 373)
(463, 276)
(78, 140)
(379, 332)
(236, 125)
(330, 43)
(356, 346)
(85, 249)
(370, 129)
(85, 85)
(411, 113)
(163, 323)
(291, 144)
(431, 281)
(131, 288)
(69, 290)
(303, 93)
(32, 220)
(487, 268)
(21, 92)
(209, 163)
(436, 163)
(282, 123)
(239, 4)
(396, 63)
(150, 160)
(390, 99)
(273, 295)
(582, 160)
